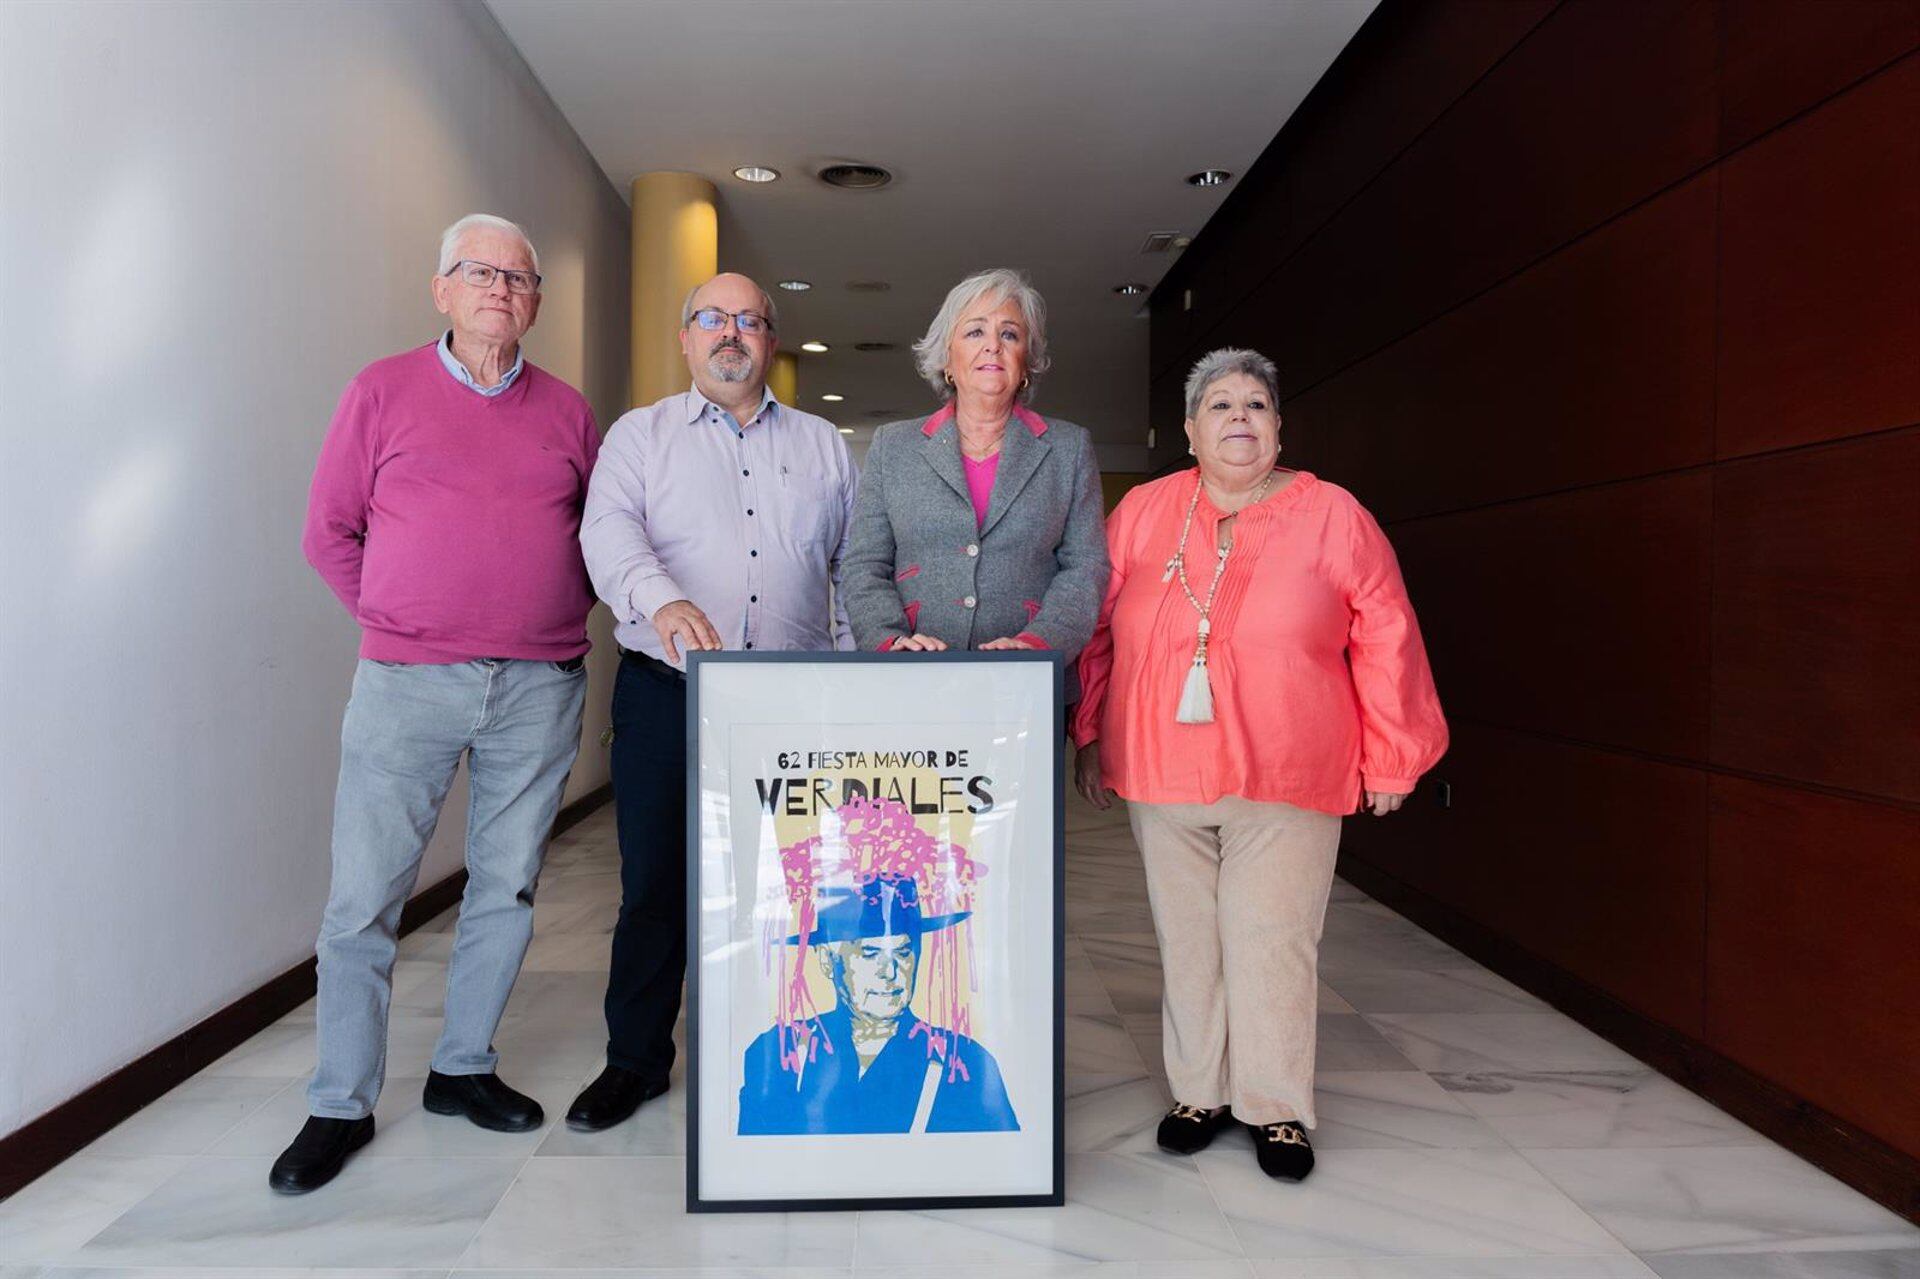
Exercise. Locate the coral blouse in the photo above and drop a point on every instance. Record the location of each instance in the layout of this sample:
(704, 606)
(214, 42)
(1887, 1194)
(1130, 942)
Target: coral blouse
(1320, 682)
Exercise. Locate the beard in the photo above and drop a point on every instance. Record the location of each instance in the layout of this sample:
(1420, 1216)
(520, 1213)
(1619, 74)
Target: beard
(730, 363)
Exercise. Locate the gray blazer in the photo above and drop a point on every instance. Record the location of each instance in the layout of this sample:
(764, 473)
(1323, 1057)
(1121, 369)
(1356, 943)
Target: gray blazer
(917, 560)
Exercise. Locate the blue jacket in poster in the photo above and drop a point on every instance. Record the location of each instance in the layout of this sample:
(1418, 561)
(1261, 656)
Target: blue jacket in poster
(830, 1095)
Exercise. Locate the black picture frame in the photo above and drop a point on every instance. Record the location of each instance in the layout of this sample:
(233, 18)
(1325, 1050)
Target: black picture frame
(696, 662)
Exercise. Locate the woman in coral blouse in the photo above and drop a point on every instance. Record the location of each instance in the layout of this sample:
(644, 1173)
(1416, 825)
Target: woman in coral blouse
(1256, 674)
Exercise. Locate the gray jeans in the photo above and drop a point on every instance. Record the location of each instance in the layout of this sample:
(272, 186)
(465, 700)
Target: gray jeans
(518, 723)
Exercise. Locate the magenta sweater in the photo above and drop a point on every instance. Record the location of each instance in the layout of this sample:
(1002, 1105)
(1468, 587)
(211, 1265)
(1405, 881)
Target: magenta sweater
(448, 523)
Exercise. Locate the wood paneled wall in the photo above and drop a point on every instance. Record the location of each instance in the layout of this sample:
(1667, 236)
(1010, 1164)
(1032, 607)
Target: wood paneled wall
(1611, 313)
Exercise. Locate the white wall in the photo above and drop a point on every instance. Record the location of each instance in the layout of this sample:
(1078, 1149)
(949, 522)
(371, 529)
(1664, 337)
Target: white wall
(213, 214)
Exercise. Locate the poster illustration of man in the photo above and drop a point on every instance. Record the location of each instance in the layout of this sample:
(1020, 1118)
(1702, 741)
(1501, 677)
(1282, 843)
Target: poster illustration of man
(879, 907)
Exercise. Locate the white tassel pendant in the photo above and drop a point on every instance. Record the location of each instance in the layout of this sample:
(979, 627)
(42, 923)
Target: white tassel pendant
(1196, 696)
(1196, 699)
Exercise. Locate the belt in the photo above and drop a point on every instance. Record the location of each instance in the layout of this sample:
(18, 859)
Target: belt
(653, 664)
(565, 664)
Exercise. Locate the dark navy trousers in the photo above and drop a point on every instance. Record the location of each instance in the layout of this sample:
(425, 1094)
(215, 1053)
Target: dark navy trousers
(650, 802)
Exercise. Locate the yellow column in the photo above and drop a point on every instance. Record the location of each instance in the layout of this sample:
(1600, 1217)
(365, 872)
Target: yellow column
(676, 247)
(783, 379)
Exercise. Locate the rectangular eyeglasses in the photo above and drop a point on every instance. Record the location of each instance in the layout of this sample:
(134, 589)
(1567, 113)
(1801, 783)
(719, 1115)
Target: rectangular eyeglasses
(713, 319)
(481, 274)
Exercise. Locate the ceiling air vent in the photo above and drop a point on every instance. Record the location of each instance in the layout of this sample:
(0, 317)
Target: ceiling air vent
(855, 177)
(1159, 242)
(867, 286)
(873, 347)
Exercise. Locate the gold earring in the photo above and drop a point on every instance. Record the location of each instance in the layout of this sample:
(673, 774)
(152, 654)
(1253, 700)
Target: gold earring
(948, 376)
(1025, 382)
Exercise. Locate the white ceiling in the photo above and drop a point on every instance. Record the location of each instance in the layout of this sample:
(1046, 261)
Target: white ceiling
(1050, 135)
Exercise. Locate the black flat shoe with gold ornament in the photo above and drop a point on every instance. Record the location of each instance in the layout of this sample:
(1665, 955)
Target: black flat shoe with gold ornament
(1282, 1149)
(1188, 1130)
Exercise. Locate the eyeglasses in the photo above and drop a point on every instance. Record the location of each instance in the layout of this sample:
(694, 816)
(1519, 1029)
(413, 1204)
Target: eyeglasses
(481, 276)
(713, 319)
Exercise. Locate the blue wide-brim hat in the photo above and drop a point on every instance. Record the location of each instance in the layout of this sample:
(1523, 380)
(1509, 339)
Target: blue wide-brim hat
(880, 907)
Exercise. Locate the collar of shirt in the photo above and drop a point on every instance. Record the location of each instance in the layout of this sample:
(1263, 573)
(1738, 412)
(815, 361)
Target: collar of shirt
(464, 378)
(699, 406)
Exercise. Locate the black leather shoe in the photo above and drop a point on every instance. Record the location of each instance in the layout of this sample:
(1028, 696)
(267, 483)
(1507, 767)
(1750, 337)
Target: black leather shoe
(1188, 1130)
(318, 1153)
(483, 1099)
(1282, 1149)
(611, 1098)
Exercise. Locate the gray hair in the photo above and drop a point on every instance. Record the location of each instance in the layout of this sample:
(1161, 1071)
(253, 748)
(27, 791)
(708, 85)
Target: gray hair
(1004, 284)
(1226, 362)
(686, 308)
(450, 238)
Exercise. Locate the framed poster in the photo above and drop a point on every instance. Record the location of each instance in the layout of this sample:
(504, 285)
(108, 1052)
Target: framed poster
(875, 924)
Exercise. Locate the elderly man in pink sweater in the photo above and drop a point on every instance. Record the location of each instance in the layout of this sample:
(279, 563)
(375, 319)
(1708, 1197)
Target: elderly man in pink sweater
(445, 514)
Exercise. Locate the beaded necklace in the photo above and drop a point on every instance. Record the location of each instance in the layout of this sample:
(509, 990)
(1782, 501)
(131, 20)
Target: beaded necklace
(1196, 696)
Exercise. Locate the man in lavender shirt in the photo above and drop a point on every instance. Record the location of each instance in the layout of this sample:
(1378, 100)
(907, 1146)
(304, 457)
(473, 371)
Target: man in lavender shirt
(716, 518)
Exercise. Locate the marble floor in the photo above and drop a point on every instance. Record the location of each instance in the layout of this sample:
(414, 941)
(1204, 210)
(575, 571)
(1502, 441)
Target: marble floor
(1467, 1132)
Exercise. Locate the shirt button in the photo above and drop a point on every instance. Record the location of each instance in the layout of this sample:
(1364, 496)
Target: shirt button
(749, 643)
(969, 601)
(753, 599)
(749, 510)
(753, 552)
(973, 548)
(744, 471)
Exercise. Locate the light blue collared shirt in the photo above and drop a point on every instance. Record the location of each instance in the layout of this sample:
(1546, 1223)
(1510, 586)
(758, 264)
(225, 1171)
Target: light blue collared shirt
(465, 378)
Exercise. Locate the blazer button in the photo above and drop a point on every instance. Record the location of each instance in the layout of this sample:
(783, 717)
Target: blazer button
(969, 601)
(973, 548)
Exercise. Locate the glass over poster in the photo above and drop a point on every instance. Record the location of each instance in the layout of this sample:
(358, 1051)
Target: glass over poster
(875, 923)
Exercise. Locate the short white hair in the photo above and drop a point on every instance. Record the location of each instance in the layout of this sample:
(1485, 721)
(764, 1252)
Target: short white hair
(450, 238)
(1226, 362)
(766, 301)
(1003, 284)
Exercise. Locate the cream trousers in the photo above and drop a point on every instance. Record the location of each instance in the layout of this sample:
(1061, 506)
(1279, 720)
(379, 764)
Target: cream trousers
(1239, 892)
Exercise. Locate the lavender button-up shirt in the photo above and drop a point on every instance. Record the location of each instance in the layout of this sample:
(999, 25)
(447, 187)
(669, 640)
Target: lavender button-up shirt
(750, 523)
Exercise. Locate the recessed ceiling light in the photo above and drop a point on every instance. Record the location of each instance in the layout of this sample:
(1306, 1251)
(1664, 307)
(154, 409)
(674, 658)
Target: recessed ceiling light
(855, 177)
(833, 399)
(1209, 178)
(1130, 289)
(817, 348)
(846, 430)
(796, 286)
(756, 173)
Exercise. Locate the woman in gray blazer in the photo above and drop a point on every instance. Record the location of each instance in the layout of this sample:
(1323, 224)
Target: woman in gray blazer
(979, 527)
